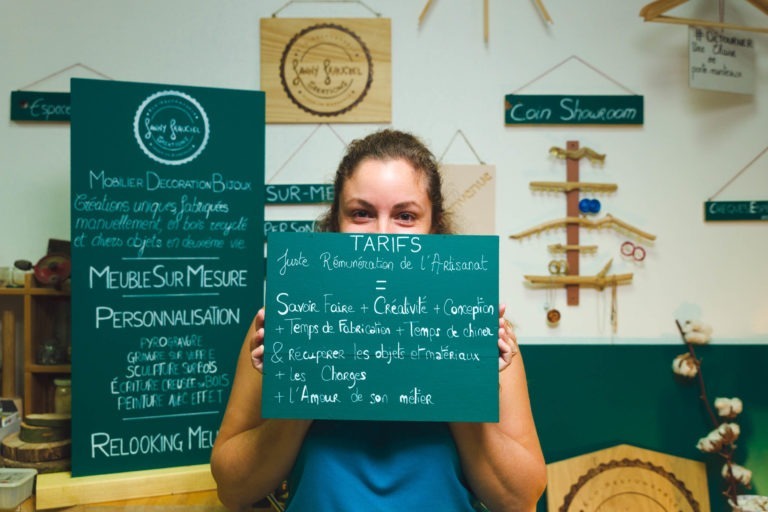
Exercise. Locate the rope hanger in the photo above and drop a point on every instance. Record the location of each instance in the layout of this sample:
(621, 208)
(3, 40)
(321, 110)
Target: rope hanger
(587, 64)
(64, 70)
(459, 132)
(303, 143)
(377, 14)
(736, 176)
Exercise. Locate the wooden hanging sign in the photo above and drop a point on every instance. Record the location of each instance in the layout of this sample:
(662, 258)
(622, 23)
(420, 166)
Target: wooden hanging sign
(735, 210)
(40, 106)
(326, 70)
(523, 109)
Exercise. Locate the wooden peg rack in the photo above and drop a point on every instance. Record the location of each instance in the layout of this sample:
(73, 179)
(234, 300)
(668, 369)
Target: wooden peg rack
(573, 222)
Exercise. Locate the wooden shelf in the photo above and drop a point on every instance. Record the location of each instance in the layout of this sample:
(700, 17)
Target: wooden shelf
(48, 368)
(46, 315)
(33, 290)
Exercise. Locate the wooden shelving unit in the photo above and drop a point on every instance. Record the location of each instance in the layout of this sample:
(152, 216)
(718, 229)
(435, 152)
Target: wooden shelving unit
(46, 316)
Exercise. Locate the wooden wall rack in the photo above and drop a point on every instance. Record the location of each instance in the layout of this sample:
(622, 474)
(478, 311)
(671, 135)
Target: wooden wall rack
(573, 222)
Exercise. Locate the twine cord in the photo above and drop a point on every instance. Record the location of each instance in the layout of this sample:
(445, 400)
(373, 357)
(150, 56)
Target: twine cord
(735, 176)
(459, 132)
(590, 66)
(55, 73)
(300, 146)
(377, 14)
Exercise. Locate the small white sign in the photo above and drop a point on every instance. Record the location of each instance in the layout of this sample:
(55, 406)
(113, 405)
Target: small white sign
(721, 60)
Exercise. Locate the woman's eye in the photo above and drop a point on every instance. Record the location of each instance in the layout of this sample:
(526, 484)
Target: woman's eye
(407, 217)
(360, 214)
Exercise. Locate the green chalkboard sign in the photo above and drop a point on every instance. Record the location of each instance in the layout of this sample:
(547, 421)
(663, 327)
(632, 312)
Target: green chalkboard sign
(288, 226)
(299, 194)
(40, 106)
(735, 210)
(384, 327)
(167, 244)
(522, 109)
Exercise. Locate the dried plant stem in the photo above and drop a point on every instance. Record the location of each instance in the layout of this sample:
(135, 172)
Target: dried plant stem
(726, 451)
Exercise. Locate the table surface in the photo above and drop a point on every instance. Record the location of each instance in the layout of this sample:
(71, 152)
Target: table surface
(204, 501)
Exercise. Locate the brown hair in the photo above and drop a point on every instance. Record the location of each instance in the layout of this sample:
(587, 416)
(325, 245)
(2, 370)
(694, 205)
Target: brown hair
(387, 145)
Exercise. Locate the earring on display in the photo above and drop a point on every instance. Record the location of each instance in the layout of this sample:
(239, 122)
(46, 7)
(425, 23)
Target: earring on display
(553, 315)
(633, 251)
(589, 206)
(558, 267)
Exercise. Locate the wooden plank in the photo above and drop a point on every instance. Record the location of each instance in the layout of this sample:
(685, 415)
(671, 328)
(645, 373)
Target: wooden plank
(31, 433)
(624, 474)
(16, 449)
(572, 230)
(57, 490)
(332, 70)
(9, 354)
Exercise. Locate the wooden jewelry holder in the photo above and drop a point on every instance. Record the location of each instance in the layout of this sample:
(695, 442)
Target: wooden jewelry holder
(573, 222)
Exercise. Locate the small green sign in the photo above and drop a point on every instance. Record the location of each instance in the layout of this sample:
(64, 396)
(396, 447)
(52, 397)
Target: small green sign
(288, 226)
(40, 106)
(554, 109)
(382, 327)
(735, 210)
(299, 194)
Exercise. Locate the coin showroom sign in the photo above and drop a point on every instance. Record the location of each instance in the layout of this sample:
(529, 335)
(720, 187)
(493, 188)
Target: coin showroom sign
(326, 70)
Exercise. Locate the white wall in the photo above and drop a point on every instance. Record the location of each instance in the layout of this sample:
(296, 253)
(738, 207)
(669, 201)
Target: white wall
(445, 78)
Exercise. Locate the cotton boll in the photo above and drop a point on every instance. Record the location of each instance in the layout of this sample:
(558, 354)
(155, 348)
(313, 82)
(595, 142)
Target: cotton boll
(685, 365)
(697, 338)
(728, 407)
(740, 473)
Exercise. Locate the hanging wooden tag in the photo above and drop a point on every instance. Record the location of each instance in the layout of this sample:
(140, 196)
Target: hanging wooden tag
(470, 196)
(40, 106)
(735, 210)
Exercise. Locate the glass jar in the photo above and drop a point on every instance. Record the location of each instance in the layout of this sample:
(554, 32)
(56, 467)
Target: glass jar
(62, 396)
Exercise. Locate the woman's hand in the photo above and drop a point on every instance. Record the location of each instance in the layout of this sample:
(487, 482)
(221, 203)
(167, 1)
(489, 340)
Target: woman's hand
(507, 340)
(256, 341)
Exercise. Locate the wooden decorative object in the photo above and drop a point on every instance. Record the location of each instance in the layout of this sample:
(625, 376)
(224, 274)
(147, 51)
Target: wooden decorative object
(336, 70)
(15, 449)
(543, 11)
(627, 478)
(607, 221)
(573, 222)
(587, 249)
(58, 490)
(486, 16)
(564, 186)
(654, 11)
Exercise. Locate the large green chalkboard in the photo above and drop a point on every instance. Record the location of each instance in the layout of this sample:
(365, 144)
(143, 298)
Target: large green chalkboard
(387, 327)
(167, 244)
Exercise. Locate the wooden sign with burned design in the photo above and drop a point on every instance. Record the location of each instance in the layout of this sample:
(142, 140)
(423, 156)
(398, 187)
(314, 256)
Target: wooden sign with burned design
(326, 70)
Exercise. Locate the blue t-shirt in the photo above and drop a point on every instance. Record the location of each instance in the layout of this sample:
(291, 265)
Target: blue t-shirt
(378, 466)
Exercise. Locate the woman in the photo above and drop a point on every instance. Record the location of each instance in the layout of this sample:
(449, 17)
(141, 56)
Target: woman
(387, 182)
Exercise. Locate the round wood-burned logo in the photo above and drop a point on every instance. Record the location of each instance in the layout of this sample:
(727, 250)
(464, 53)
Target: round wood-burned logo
(326, 69)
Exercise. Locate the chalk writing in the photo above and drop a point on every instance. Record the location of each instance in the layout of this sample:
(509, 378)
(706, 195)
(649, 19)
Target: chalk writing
(394, 327)
(574, 109)
(165, 220)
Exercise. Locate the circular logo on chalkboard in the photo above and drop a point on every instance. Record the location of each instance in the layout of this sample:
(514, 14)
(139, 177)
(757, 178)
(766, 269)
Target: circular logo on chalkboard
(171, 127)
(326, 69)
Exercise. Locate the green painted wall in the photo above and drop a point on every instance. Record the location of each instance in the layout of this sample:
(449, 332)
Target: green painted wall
(589, 397)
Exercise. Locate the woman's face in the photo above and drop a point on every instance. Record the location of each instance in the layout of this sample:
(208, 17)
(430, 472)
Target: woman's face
(385, 197)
